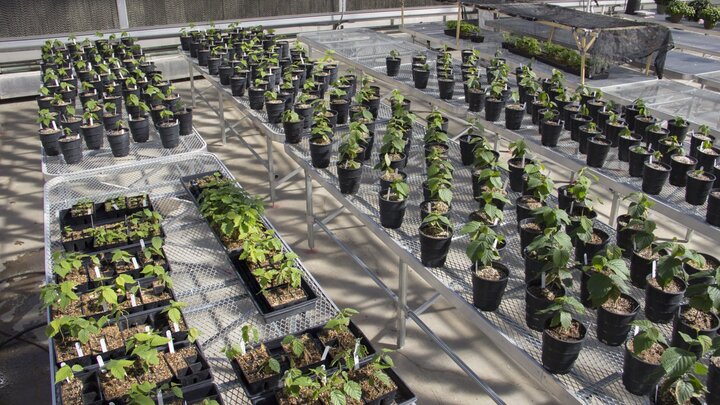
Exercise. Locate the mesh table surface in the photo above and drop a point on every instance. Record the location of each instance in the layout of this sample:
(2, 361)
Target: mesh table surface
(217, 303)
(595, 377)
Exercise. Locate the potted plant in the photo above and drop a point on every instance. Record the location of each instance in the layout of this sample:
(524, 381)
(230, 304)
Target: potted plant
(321, 143)
(489, 276)
(627, 225)
(655, 174)
(612, 127)
(578, 120)
(516, 164)
(588, 240)
(292, 126)
(680, 164)
(699, 317)
(168, 129)
(71, 147)
(392, 63)
(494, 100)
(626, 142)
(421, 74)
(682, 384)
(563, 335)
(138, 121)
(666, 285)
(393, 201)
(514, 112)
(435, 237)
(678, 127)
(677, 9)
(597, 152)
(475, 94)
(699, 184)
(119, 139)
(446, 80)
(349, 165)
(551, 128)
(538, 186)
(585, 132)
(49, 132)
(642, 368)
(184, 116)
(637, 157)
(606, 284)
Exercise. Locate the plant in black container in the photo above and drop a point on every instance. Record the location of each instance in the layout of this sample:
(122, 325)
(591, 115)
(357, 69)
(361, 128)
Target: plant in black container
(563, 335)
(258, 368)
(489, 276)
(517, 163)
(653, 134)
(435, 237)
(551, 128)
(169, 129)
(666, 284)
(627, 225)
(71, 147)
(392, 63)
(139, 122)
(655, 174)
(682, 384)
(421, 74)
(637, 157)
(626, 142)
(538, 186)
(608, 291)
(293, 126)
(49, 132)
(588, 239)
(597, 152)
(475, 94)
(494, 100)
(612, 128)
(393, 202)
(446, 81)
(585, 132)
(274, 107)
(349, 165)
(699, 318)
(699, 184)
(321, 142)
(642, 369)
(119, 139)
(678, 127)
(680, 164)
(514, 112)
(184, 117)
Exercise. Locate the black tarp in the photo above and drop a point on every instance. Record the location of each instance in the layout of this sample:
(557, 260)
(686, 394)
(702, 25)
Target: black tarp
(618, 41)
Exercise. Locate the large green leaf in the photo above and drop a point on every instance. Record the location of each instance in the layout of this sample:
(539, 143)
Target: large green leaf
(676, 362)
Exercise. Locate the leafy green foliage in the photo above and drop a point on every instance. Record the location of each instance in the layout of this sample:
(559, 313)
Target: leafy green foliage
(562, 309)
(608, 276)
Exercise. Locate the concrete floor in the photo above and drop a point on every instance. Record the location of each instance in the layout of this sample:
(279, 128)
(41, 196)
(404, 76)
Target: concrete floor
(429, 372)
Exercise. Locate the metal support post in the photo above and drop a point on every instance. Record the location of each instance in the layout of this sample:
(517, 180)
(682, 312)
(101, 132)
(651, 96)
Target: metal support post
(221, 112)
(271, 168)
(402, 304)
(457, 29)
(402, 13)
(689, 234)
(614, 207)
(192, 82)
(309, 215)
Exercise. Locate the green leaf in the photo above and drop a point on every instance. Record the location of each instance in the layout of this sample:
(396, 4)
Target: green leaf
(337, 397)
(683, 391)
(274, 365)
(676, 362)
(353, 390)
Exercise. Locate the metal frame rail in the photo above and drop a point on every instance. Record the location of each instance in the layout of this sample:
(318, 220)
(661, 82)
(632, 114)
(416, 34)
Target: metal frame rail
(217, 303)
(271, 132)
(618, 186)
(102, 158)
(596, 375)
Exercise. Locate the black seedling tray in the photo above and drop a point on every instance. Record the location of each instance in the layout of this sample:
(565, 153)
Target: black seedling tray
(195, 394)
(90, 395)
(194, 191)
(269, 313)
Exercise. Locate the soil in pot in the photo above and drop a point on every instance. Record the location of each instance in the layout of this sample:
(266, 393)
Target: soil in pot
(538, 299)
(642, 372)
(698, 187)
(661, 304)
(561, 347)
(525, 205)
(434, 245)
(655, 175)
(489, 284)
(597, 242)
(693, 323)
(529, 230)
(614, 317)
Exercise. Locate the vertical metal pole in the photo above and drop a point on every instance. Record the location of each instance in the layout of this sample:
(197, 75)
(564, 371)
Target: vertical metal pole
(402, 304)
(309, 214)
(457, 29)
(221, 111)
(192, 82)
(122, 14)
(271, 168)
(402, 13)
(614, 207)
(583, 56)
(689, 234)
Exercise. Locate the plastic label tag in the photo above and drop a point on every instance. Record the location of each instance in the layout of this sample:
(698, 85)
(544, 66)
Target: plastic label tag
(171, 346)
(135, 263)
(160, 398)
(97, 272)
(325, 353)
(100, 361)
(147, 328)
(53, 125)
(115, 207)
(654, 268)
(133, 301)
(636, 330)
(495, 242)
(242, 346)
(144, 202)
(103, 345)
(78, 349)
(585, 258)
(542, 280)
(142, 244)
(176, 327)
(355, 355)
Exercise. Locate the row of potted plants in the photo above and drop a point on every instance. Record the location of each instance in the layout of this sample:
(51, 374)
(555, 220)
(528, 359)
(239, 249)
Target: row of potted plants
(104, 76)
(694, 10)
(468, 30)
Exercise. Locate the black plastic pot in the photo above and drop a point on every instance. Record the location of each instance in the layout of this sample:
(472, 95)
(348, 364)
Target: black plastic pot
(707, 160)
(640, 269)
(420, 78)
(624, 146)
(349, 179)
(169, 134)
(393, 66)
(533, 267)
(237, 85)
(696, 140)
(698, 189)
(516, 169)
(612, 132)
(256, 97)
(535, 304)
(391, 212)
(475, 99)
(679, 325)
(640, 377)
(487, 294)
(341, 107)
(558, 356)
(185, 118)
(582, 248)
(109, 121)
(637, 162)
(713, 207)
(293, 131)
(641, 124)
(306, 113)
(71, 149)
(653, 137)
(119, 143)
(612, 327)
(550, 134)
(50, 142)
(213, 65)
(578, 121)
(274, 109)
(568, 112)
(446, 88)
(493, 108)
(521, 211)
(624, 236)
(320, 155)
(583, 136)
(514, 114)
(226, 73)
(713, 383)
(680, 165)
(385, 184)
(434, 250)
(678, 131)
(661, 306)
(655, 175)
(94, 136)
(140, 129)
(598, 149)
(527, 235)
(466, 148)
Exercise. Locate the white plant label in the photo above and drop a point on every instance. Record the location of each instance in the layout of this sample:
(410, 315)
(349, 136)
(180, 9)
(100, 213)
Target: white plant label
(650, 159)
(78, 349)
(89, 65)
(495, 242)
(103, 345)
(324, 376)
(585, 258)
(654, 268)
(115, 207)
(91, 121)
(135, 263)
(636, 330)
(356, 360)
(133, 302)
(97, 272)
(53, 125)
(542, 280)
(144, 202)
(572, 205)
(147, 328)
(325, 353)
(242, 346)
(100, 361)
(142, 244)
(160, 398)
(171, 345)
(176, 327)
